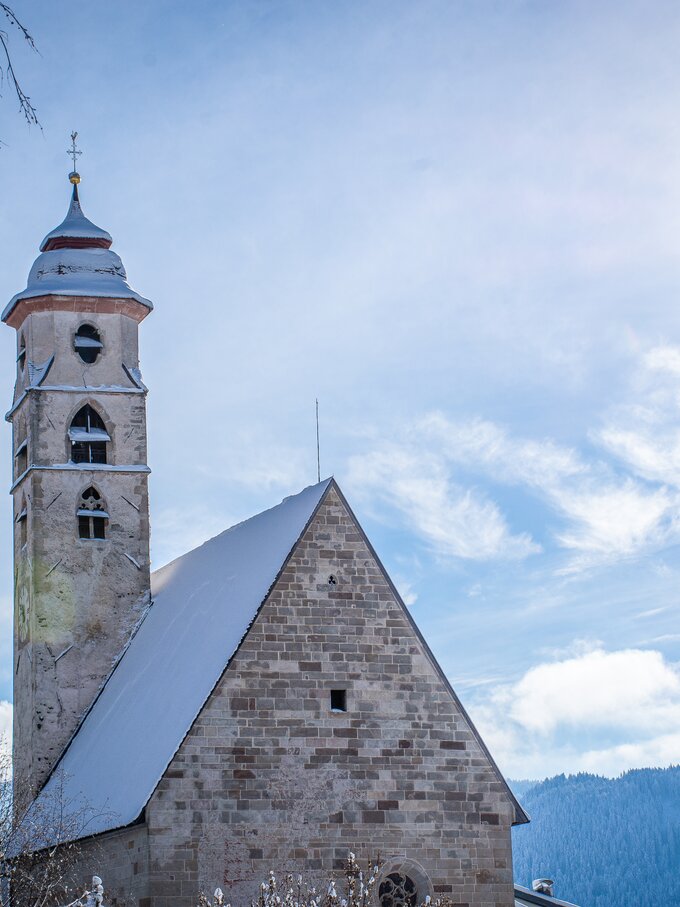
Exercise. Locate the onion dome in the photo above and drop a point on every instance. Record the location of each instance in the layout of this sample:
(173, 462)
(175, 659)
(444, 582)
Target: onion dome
(76, 260)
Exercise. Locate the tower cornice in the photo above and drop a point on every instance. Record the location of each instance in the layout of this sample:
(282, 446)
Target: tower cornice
(22, 306)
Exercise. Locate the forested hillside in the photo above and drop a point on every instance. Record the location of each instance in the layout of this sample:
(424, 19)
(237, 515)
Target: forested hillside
(606, 842)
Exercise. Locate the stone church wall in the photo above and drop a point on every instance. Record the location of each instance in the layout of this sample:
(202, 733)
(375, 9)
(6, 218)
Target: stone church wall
(270, 778)
(121, 859)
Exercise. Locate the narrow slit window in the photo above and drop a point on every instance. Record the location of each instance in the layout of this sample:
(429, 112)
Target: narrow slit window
(88, 436)
(22, 525)
(21, 356)
(92, 515)
(21, 458)
(88, 343)
(338, 700)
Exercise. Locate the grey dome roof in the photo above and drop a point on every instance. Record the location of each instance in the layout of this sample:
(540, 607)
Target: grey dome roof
(76, 260)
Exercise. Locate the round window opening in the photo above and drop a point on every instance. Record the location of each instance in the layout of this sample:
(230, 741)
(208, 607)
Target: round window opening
(398, 890)
(88, 343)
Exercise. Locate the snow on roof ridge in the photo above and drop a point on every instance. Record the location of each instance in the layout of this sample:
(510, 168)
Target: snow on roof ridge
(234, 526)
(204, 602)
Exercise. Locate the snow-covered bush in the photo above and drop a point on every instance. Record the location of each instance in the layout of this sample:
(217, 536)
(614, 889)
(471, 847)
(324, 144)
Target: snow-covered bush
(354, 889)
(92, 898)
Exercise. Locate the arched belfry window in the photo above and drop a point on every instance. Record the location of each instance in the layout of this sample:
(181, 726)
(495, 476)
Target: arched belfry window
(88, 436)
(88, 344)
(92, 515)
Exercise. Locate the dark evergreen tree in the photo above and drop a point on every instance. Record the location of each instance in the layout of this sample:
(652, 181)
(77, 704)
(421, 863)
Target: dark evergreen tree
(606, 842)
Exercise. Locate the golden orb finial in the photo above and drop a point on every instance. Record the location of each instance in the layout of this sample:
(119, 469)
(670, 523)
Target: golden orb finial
(74, 177)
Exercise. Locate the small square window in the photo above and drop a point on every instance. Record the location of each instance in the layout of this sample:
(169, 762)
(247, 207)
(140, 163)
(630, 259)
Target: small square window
(338, 700)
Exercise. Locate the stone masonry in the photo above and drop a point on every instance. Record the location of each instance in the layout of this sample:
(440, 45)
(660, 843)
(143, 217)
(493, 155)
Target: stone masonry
(268, 777)
(76, 600)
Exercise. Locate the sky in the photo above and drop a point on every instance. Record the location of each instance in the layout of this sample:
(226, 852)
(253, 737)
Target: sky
(458, 226)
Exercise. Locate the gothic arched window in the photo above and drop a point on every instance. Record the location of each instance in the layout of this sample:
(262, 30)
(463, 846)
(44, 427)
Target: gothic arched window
(88, 437)
(88, 344)
(92, 515)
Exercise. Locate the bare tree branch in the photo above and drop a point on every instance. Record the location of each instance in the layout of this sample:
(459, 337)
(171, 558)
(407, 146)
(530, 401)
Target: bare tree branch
(7, 71)
(40, 842)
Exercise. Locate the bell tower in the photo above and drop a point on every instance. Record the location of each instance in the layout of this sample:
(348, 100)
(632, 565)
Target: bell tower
(81, 513)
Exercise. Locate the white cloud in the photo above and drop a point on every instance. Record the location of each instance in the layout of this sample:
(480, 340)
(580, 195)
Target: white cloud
(664, 359)
(659, 751)
(596, 711)
(596, 689)
(457, 522)
(651, 454)
(408, 594)
(613, 521)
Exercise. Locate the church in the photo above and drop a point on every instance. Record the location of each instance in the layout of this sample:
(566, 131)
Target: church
(265, 701)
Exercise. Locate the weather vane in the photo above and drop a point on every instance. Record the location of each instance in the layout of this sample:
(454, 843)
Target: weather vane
(74, 152)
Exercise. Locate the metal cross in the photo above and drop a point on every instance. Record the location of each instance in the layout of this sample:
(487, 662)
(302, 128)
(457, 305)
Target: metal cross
(73, 151)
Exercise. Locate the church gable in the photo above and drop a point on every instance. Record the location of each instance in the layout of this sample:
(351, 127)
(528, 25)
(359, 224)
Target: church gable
(333, 729)
(203, 604)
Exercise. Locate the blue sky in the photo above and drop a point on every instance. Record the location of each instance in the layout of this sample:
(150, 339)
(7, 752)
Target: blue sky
(456, 224)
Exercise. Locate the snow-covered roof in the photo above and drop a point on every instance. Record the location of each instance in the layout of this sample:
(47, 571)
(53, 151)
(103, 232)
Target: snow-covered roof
(203, 605)
(525, 897)
(75, 260)
(76, 226)
(77, 272)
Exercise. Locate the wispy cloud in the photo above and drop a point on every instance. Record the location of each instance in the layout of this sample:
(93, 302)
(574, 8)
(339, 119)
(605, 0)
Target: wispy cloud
(406, 590)
(604, 516)
(644, 433)
(610, 522)
(483, 445)
(607, 517)
(455, 521)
